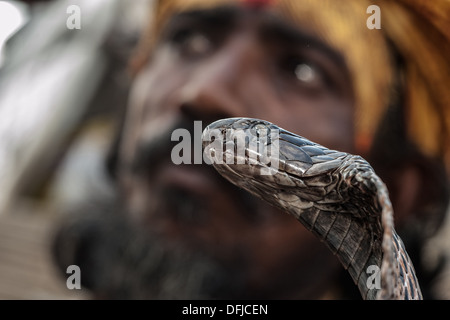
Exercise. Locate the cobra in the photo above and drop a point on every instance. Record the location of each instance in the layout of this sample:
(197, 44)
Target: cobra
(335, 195)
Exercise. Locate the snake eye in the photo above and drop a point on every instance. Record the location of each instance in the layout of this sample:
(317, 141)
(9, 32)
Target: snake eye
(260, 130)
(242, 124)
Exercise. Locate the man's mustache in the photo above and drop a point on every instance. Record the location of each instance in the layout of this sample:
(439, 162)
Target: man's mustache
(155, 149)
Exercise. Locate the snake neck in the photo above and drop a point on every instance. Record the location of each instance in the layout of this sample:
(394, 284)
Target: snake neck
(335, 195)
(399, 280)
(392, 272)
(357, 248)
(356, 223)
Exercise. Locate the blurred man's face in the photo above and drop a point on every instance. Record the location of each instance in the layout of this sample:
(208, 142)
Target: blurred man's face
(233, 62)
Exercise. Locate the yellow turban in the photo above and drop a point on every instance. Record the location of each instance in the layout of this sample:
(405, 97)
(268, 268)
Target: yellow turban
(419, 30)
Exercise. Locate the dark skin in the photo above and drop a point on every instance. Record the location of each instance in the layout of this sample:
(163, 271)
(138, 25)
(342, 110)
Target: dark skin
(234, 62)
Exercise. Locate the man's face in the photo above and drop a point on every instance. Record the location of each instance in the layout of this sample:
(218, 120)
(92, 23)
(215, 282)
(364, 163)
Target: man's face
(233, 62)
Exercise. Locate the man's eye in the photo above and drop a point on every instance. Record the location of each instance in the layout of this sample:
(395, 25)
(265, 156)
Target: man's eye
(306, 74)
(191, 43)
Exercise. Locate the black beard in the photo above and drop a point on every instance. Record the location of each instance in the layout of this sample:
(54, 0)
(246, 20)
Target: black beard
(119, 260)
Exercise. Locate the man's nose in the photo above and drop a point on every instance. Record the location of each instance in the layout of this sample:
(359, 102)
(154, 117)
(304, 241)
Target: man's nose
(219, 85)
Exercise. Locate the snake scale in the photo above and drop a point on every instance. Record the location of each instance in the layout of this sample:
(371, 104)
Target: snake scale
(335, 195)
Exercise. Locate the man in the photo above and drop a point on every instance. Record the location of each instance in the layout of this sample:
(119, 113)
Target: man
(312, 67)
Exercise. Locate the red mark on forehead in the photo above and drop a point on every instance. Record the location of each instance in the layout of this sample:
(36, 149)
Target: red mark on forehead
(258, 3)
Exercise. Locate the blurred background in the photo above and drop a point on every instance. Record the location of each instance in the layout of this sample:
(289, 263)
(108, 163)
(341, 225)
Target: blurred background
(62, 92)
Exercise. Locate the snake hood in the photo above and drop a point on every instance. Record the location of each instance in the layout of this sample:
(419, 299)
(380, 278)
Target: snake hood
(335, 195)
